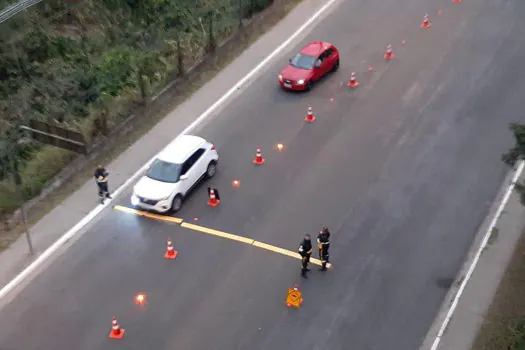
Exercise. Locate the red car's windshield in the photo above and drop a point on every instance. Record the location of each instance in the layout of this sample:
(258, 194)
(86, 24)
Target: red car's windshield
(303, 61)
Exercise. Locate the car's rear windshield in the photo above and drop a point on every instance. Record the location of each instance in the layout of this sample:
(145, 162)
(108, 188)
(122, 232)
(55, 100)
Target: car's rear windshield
(164, 171)
(303, 61)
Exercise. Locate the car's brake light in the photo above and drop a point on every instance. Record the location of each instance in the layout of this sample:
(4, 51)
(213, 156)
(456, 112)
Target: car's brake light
(213, 147)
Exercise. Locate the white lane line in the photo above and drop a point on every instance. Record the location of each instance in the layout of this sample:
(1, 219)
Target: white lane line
(82, 223)
(475, 261)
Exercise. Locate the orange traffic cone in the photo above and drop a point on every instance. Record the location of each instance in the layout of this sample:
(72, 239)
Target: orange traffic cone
(389, 54)
(310, 117)
(213, 201)
(116, 332)
(259, 160)
(426, 22)
(170, 252)
(353, 83)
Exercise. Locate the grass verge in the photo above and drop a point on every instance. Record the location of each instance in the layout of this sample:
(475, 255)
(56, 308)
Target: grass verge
(503, 327)
(156, 111)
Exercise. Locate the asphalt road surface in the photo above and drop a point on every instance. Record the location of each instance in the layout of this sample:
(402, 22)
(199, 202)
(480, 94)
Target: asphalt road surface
(402, 170)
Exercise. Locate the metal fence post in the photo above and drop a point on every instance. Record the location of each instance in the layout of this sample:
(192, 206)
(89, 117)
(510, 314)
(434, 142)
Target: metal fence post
(20, 193)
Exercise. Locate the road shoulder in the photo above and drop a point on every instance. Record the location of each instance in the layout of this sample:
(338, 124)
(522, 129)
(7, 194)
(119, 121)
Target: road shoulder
(484, 282)
(502, 326)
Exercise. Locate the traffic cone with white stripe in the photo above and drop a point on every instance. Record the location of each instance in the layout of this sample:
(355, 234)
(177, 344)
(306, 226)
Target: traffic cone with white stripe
(310, 117)
(116, 332)
(170, 252)
(213, 201)
(426, 22)
(353, 83)
(389, 54)
(259, 160)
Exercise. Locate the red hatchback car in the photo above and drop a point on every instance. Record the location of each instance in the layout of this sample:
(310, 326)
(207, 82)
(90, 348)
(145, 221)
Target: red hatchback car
(312, 63)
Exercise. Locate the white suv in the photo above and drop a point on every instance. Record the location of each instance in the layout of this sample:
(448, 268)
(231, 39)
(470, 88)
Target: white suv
(175, 171)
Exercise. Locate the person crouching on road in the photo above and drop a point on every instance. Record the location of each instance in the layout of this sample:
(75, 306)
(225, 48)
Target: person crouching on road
(323, 243)
(305, 250)
(101, 177)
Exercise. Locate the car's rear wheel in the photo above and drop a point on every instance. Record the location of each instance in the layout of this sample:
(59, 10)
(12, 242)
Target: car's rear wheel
(336, 66)
(212, 169)
(176, 204)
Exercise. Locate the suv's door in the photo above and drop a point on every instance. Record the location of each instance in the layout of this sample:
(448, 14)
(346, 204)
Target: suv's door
(201, 164)
(190, 171)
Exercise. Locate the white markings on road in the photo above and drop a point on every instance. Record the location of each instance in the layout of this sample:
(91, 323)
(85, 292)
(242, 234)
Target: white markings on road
(411, 93)
(82, 223)
(475, 261)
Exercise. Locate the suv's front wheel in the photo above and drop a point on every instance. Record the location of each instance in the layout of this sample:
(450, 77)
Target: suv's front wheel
(176, 204)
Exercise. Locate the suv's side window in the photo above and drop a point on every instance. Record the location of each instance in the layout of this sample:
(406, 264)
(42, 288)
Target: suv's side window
(328, 53)
(191, 160)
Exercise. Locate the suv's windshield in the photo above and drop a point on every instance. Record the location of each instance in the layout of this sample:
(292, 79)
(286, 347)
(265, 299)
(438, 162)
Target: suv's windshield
(303, 61)
(164, 172)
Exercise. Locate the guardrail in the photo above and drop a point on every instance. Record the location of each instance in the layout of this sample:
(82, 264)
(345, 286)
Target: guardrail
(14, 9)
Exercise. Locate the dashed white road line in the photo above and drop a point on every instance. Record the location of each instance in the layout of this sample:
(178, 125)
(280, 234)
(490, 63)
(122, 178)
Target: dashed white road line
(207, 113)
(475, 261)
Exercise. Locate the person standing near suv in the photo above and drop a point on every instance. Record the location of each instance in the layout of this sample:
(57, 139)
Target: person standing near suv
(101, 177)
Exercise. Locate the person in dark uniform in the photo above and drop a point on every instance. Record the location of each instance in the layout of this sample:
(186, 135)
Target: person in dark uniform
(323, 243)
(101, 177)
(305, 250)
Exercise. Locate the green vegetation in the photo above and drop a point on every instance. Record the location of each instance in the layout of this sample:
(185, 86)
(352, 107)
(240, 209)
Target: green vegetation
(87, 65)
(504, 324)
(517, 153)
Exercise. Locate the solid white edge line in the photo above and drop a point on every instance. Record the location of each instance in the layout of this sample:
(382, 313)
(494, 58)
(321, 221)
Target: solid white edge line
(82, 223)
(474, 263)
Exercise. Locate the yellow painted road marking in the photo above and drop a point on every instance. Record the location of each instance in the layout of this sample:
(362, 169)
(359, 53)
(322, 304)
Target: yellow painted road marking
(250, 241)
(276, 249)
(218, 233)
(147, 215)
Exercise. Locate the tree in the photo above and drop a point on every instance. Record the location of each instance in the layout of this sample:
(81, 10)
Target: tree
(515, 154)
(143, 65)
(12, 152)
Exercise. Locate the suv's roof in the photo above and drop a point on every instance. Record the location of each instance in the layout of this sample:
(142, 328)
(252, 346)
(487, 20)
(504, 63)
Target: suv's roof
(315, 48)
(180, 149)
